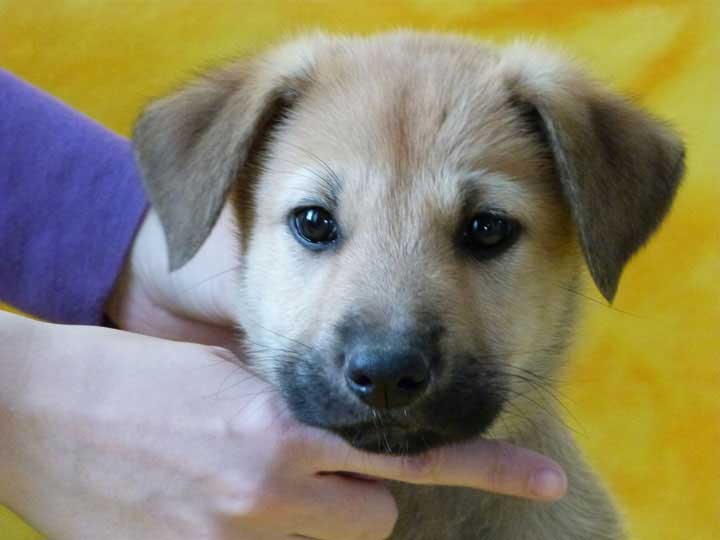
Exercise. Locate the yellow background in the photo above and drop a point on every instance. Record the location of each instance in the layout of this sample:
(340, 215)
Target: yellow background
(645, 383)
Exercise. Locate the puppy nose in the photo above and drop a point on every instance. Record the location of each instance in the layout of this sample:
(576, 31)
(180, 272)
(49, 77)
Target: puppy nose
(387, 380)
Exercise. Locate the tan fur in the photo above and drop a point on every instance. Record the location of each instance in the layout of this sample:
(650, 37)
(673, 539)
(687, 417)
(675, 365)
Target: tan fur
(404, 120)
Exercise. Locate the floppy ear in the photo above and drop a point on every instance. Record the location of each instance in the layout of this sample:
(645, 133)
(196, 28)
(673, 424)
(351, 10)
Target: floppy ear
(618, 167)
(192, 145)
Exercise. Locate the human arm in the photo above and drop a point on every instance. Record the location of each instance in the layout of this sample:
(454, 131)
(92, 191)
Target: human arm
(71, 206)
(70, 203)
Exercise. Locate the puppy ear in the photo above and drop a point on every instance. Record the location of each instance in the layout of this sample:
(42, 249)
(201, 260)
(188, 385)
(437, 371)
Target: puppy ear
(619, 168)
(192, 145)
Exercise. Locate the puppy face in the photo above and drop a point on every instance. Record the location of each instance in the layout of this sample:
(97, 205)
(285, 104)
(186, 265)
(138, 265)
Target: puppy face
(440, 275)
(414, 212)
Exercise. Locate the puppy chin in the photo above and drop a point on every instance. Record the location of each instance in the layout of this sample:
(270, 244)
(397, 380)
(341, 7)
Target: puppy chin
(392, 440)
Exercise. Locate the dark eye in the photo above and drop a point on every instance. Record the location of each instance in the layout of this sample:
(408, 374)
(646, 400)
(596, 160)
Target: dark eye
(488, 234)
(314, 226)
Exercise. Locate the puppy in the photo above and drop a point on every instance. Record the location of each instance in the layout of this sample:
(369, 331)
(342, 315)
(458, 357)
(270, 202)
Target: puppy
(414, 211)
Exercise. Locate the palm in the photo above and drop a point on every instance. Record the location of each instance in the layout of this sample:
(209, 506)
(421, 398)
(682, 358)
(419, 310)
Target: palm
(194, 303)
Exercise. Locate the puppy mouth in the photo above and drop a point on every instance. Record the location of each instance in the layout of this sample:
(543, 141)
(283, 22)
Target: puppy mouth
(463, 409)
(393, 439)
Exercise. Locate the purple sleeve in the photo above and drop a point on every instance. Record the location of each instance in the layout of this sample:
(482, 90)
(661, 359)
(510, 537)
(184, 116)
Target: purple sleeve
(70, 203)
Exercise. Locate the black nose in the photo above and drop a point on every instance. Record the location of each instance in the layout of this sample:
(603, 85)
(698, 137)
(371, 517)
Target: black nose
(387, 379)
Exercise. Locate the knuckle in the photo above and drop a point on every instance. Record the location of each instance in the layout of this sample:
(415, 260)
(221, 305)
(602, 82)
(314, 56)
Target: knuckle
(498, 475)
(285, 448)
(291, 443)
(261, 504)
(288, 430)
(251, 504)
(235, 428)
(241, 494)
(278, 444)
(421, 466)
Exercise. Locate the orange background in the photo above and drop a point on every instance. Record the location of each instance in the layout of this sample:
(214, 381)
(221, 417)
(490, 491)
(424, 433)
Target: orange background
(644, 386)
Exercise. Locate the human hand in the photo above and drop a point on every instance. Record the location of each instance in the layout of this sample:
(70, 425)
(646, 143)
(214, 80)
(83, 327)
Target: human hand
(107, 434)
(194, 303)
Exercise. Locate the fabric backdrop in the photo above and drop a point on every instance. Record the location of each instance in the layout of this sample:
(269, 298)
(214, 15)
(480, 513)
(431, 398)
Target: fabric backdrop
(645, 380)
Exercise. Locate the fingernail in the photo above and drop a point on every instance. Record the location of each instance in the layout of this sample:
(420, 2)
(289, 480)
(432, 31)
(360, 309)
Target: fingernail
(548, 484)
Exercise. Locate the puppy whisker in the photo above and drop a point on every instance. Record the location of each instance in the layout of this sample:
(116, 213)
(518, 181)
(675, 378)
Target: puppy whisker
(598, 302)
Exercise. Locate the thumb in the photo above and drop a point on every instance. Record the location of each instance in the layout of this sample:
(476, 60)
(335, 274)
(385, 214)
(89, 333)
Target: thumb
(489, 465)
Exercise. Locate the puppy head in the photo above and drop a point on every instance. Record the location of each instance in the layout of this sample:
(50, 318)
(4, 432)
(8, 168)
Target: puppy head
(414, 213)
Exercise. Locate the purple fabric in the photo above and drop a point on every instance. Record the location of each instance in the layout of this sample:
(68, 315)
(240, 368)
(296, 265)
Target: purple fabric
(70, 203)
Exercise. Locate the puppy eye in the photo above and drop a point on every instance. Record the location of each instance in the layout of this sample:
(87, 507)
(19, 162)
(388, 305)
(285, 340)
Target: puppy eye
(314, 226)
(488, 234)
